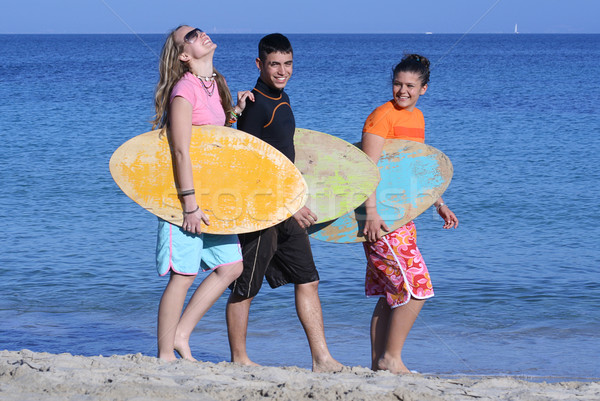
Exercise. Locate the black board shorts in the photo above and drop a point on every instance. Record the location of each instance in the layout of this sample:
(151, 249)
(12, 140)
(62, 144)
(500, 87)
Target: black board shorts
(281, 254)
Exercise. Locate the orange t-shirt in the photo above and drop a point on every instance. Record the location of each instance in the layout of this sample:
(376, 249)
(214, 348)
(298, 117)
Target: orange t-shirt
(391, 123)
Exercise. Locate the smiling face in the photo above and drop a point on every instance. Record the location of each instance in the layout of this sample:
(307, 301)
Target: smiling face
(407, 87)
(196, 44)
(276, 69)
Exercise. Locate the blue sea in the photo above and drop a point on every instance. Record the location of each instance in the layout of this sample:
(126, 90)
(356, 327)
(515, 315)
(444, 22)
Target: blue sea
(517, 284)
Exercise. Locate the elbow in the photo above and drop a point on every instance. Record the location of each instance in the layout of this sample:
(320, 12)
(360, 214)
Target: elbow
(180, 155)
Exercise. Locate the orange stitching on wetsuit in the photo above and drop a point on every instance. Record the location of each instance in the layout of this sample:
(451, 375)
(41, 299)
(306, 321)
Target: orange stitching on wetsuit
(269, 97)
(274, 110)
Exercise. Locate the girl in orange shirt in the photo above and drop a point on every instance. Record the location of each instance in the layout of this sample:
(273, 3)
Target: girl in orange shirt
(395, 268)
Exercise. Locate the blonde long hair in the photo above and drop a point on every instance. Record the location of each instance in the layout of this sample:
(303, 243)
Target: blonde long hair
(171, 69)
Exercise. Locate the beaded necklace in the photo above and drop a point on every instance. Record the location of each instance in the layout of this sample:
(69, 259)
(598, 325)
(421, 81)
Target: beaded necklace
(210, 88)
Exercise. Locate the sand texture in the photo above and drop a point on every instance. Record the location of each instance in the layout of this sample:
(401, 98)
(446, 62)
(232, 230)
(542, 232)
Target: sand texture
(26, 375)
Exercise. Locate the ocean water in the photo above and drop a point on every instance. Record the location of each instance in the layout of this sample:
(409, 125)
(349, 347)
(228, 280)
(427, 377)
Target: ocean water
(516, 284)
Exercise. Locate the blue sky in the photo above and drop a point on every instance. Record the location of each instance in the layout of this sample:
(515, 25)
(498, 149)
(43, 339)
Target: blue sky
(301, 16)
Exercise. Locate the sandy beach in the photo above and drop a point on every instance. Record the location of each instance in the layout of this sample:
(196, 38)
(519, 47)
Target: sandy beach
(26, 375)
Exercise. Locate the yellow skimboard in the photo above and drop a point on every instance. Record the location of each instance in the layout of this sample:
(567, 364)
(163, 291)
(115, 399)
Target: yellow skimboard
(242, 183)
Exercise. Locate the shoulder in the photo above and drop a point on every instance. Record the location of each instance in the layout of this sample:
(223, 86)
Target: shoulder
(382, 111)
(185, 88)
(186, 81)
(417, 116)
(418, 113)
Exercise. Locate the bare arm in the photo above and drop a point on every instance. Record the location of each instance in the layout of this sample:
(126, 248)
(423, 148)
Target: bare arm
(372, 145)
(180, 118)
(450, 219)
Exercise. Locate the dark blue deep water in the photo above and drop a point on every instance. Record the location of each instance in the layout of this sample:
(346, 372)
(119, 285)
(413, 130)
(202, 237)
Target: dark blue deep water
(516, 284)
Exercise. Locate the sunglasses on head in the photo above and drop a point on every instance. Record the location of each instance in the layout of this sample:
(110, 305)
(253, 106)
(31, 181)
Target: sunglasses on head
(192, 35)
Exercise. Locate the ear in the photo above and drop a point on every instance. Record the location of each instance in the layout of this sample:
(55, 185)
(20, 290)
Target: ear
(184, 57)
(423, 89)
(259, 64)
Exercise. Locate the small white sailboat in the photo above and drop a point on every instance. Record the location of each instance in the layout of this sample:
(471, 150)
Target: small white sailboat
(516, 31)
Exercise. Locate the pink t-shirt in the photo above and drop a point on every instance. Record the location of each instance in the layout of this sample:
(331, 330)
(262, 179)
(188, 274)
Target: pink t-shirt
(206, 109)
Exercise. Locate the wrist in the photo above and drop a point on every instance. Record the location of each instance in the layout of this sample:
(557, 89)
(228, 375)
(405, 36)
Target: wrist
(192, 211)
(235, 115)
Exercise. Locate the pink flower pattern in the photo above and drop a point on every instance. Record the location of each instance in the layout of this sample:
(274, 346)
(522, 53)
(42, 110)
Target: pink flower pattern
(395, 268)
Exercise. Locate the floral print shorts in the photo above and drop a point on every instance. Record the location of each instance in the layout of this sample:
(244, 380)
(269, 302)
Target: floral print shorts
(395, 268)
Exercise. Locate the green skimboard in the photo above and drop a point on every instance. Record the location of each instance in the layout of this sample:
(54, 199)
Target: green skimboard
(339, 176)
(413, 177)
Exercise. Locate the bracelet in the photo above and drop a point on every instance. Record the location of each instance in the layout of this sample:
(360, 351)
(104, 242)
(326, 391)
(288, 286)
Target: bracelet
(193, 211)
(439, 206)
(186, 192)
(234, 116)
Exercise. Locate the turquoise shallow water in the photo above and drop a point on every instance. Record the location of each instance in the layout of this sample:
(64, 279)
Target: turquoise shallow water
(516, 285)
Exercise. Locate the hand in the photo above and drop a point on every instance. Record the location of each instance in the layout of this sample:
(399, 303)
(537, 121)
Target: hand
(242, 96)
(192, 222)
(450, 219)
(373, 226)
(305, 217)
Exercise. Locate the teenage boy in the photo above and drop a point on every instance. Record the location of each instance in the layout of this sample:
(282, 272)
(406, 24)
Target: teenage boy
(281, 253)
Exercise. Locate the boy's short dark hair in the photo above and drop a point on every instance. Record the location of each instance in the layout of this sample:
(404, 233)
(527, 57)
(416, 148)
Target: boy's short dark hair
(274, 42)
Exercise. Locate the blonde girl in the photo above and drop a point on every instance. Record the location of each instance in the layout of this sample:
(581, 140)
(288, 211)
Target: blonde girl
(190, 92)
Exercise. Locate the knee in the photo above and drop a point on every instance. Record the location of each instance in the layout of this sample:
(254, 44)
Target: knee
(230, 272)
(312, 286)
(183, 282)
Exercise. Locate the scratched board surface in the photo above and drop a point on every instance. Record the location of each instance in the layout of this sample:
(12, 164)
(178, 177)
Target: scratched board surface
(339, 175)
(242, 183)
(413, 177)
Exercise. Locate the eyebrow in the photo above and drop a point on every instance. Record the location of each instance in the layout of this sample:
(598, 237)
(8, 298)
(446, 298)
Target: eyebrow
(279, 62)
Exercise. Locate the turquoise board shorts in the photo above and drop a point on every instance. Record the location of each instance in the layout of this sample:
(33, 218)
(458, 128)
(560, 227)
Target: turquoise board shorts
(186, 253)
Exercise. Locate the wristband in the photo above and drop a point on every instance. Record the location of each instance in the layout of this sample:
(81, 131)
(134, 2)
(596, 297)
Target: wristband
(439, 206)
(187, 192)
(193, 211)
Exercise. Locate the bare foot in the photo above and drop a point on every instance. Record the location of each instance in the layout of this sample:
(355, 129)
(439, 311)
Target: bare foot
(392, 365)
(184, 351)
(244, 361)
(329, 365)
(167, 357)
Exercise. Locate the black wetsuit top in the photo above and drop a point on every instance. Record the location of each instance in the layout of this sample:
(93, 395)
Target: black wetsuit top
(270, 118)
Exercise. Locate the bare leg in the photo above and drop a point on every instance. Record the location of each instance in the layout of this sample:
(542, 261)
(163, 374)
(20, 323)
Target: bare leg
(169, 311)
(207, 293)
(379, 327)
(401, 321)
(238, 311)
(308, 307)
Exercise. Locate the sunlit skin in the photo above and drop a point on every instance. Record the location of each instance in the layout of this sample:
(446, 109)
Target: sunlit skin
(390, 326)
(275, 72)
(201, 47)
(277, 69)
(174, 327)
(407, 88)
